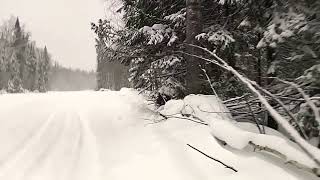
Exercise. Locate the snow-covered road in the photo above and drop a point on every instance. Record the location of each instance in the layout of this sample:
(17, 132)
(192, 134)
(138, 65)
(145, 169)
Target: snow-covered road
(105, 135)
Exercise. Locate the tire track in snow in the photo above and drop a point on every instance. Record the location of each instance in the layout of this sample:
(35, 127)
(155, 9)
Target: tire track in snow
(65, 156)
(53, 162)
(88, 165)
(63, 147)
(20, 157)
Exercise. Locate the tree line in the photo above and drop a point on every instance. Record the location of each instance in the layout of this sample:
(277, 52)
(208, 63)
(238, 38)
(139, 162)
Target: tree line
(67, 79)
(267, 41)
(23, 65)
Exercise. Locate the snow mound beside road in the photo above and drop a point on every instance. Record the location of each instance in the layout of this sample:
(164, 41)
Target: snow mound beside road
(107, 135)
(237, 135)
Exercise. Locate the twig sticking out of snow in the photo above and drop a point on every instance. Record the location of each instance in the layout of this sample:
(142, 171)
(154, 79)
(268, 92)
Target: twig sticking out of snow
(311, 151)
(209, 81)
(225, 165)
(254, 118)
(212, 88)
(189, 119)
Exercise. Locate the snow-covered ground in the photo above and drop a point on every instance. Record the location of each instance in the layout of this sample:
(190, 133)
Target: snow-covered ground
(108, 135)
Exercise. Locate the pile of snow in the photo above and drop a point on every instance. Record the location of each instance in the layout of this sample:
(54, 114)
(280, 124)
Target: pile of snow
(107, 135)
(211, 110)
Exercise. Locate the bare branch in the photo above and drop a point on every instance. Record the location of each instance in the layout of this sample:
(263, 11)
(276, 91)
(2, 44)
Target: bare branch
(255, 119)
(225, 165)
(301, 130)
(305, 146)
(236, 98)
(310, 103)
(189, 119)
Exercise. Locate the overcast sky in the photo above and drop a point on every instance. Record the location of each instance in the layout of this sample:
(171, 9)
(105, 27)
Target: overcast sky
(62, 25)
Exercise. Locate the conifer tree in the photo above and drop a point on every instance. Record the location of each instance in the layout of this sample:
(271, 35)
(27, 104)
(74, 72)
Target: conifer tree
(15, 83)
(19, 43)
(23, 66)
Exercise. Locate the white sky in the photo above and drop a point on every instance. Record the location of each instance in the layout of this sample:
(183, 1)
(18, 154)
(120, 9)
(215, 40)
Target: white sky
(62, 25)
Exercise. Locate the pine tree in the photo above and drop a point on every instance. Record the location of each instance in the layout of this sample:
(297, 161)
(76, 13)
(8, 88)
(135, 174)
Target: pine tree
(19, 44)
(21, 62)
(15, 83)
(43, 70)
(47, 64)
(32, 64)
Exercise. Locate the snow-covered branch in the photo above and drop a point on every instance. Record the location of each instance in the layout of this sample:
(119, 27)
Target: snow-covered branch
(284, 157)
(205, 109)
(311, 151)
(301, 130)
(310, 103)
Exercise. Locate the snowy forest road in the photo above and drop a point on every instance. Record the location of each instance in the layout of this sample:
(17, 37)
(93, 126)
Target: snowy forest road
(103, 135)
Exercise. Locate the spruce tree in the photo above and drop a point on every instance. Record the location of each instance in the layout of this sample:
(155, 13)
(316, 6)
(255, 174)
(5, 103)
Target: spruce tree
(15, 83)
(19, 44)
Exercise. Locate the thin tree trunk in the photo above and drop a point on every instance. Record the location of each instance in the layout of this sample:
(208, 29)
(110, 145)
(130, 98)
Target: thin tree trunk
(270, 58)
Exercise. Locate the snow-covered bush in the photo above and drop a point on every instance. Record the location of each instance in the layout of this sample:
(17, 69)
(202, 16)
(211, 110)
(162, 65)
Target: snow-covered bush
(3, 91)
(14, 86)
(170, 89)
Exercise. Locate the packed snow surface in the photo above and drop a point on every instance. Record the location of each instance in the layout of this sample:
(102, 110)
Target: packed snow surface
(110, 135)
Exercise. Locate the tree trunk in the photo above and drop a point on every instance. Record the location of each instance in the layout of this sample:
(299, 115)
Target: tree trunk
(270, 58)
(193, 28)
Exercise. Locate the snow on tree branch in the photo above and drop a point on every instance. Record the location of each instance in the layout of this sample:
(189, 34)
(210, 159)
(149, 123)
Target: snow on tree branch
(310, 150)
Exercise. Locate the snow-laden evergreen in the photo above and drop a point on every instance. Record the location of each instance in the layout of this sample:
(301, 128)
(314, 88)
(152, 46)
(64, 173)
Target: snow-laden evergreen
(23, 66)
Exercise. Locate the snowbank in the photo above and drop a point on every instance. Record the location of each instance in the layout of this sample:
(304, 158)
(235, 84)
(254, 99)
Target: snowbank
(211, 110)
(104, 135)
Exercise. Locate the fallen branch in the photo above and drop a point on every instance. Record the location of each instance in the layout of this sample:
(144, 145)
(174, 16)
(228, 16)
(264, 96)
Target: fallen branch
(301, 130)
(310, 103)
(304, 145)
(166, 117)
(225, 165)
(298, 165)
(236, 98)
